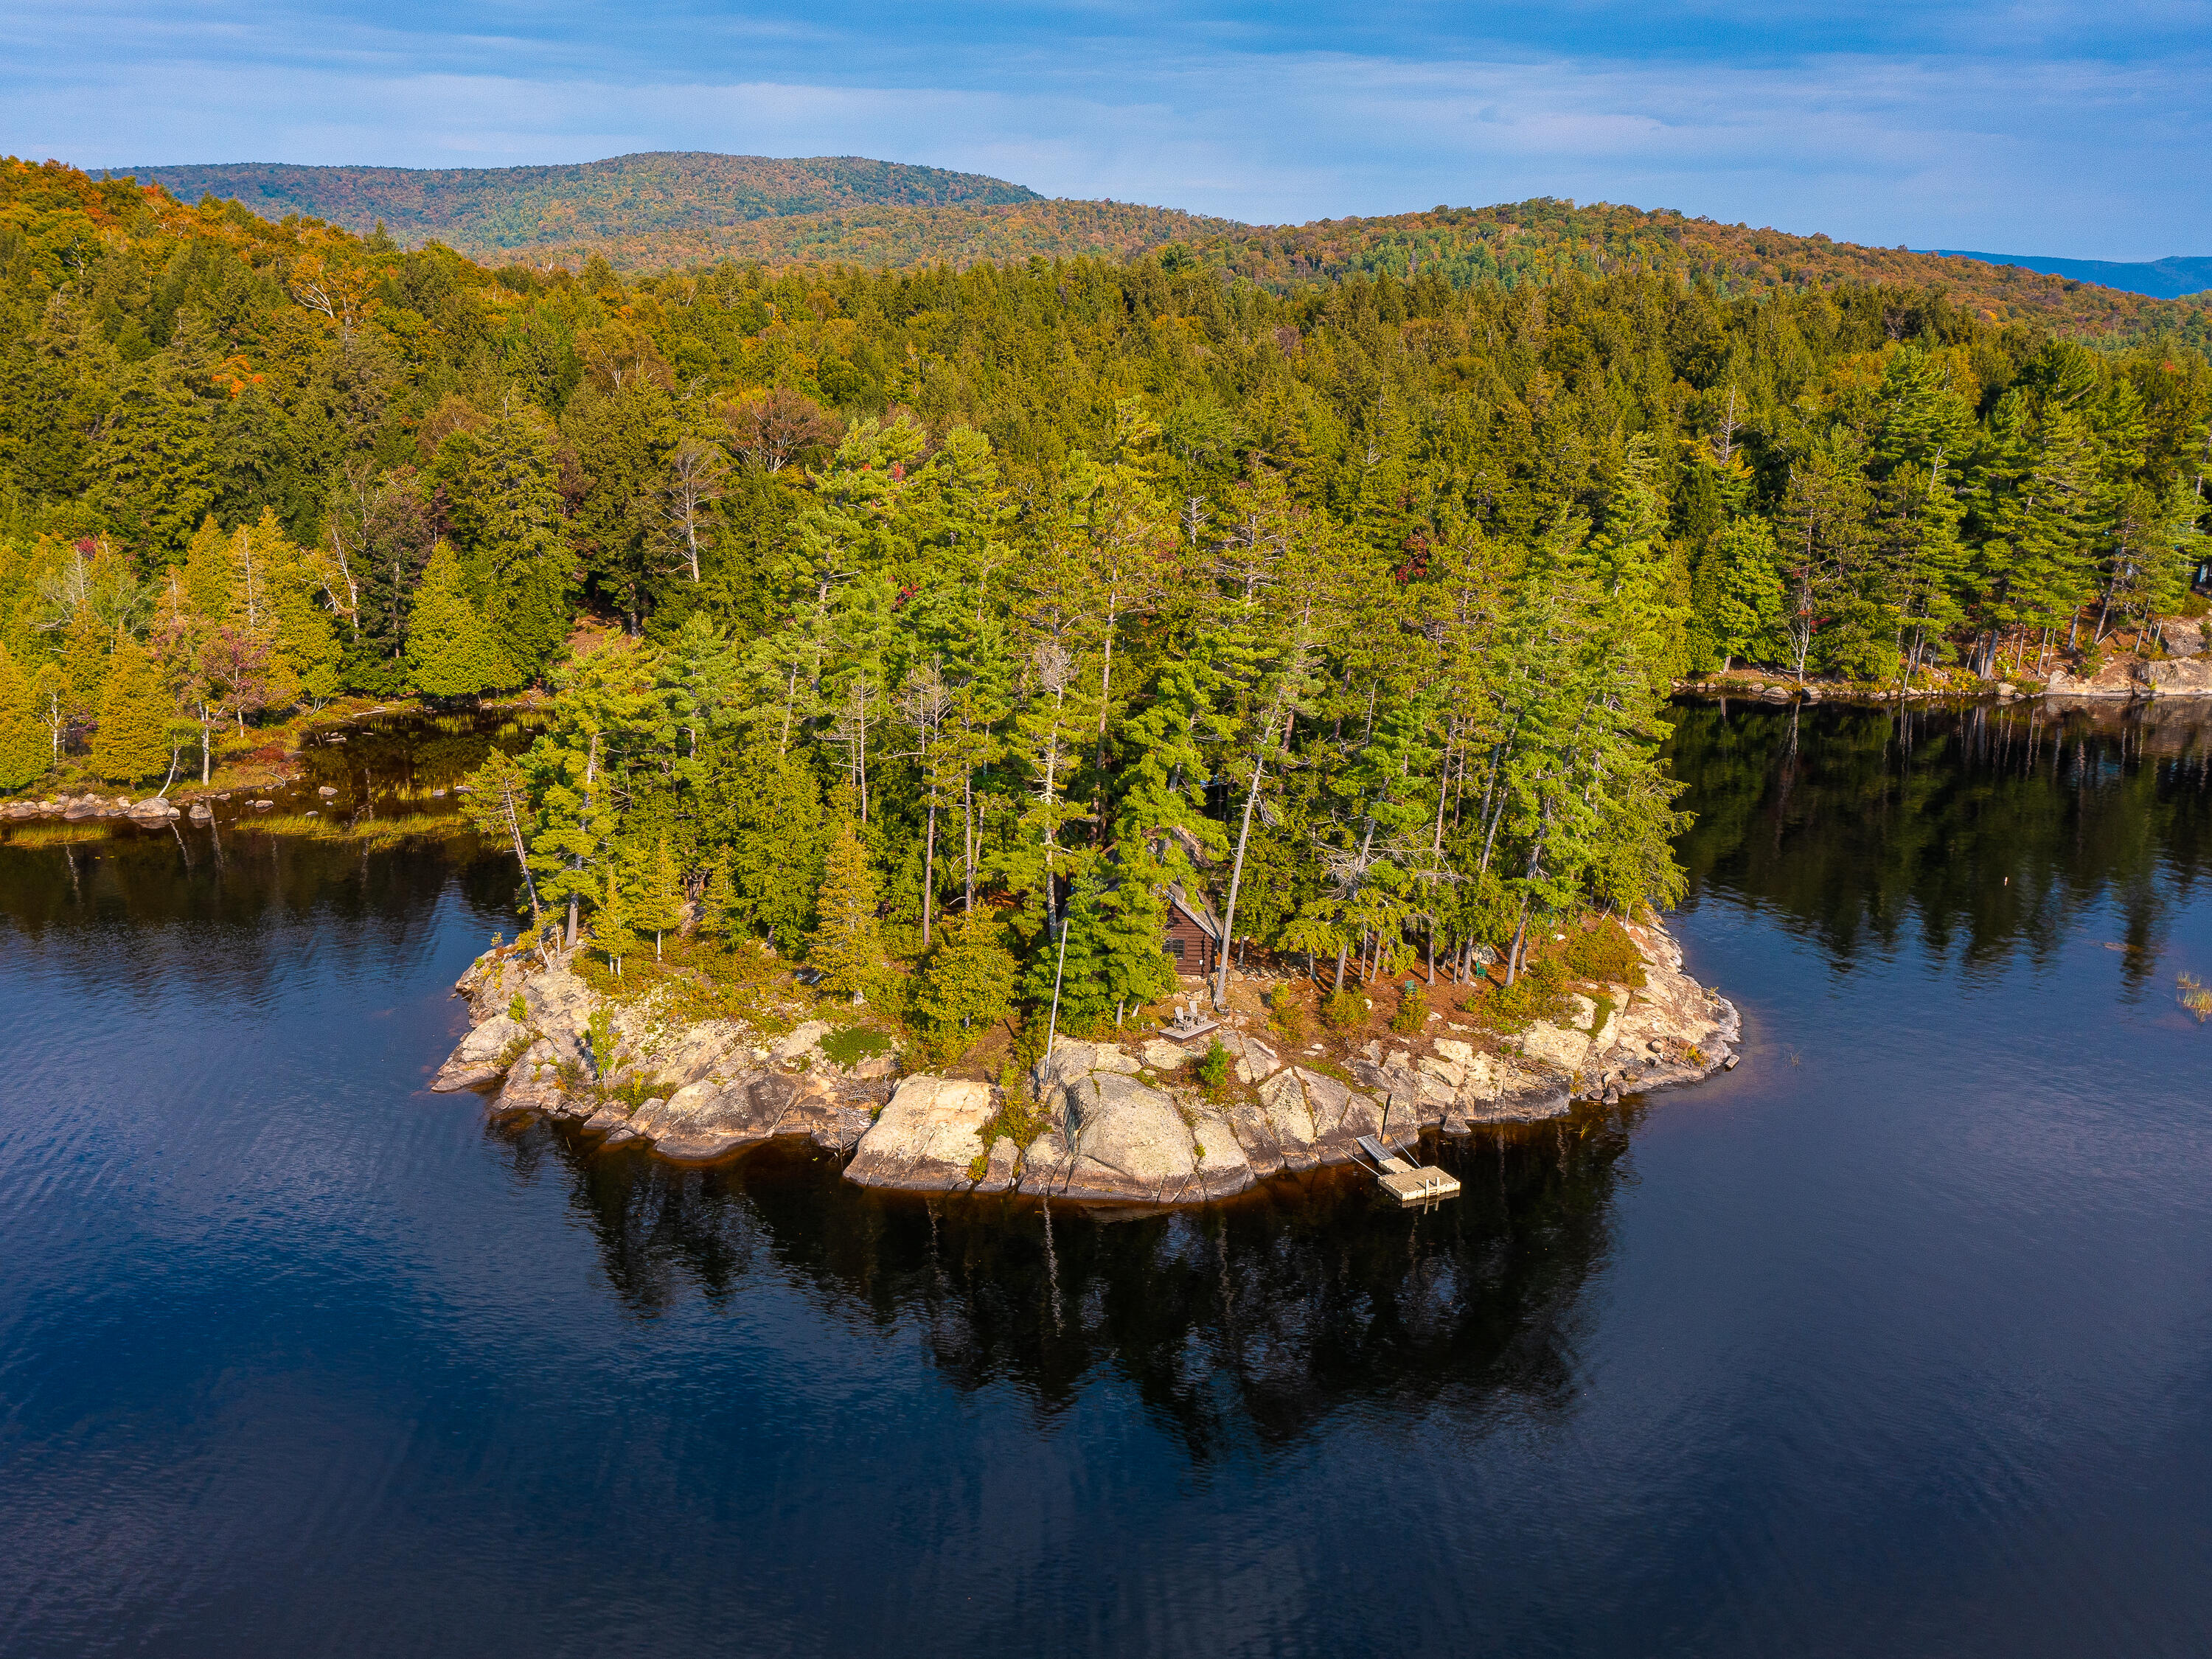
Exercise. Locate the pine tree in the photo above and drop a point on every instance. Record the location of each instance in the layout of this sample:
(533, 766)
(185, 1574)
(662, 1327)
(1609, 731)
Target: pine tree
(23, 748)
(510, 497)
(450, 651)
(1114, 960)
(496, 798)
(85, 647)
(658, 902)
(308, 642)
(721, 905)
(205, 575)
(156, 468)
(698, 676)
(277, 602)
(765, 808)
(132, 739)
(967, 981)
(1737, 591)
(612, 919)
(843, 946)
(379, 530)
(606, 720)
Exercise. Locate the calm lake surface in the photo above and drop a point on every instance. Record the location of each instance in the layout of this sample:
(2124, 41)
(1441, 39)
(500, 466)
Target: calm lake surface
(1897, 1339)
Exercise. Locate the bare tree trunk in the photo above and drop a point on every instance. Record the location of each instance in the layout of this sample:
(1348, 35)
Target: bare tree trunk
(1513, 956)
(591, 775)
(1236, 880)
(928, 871)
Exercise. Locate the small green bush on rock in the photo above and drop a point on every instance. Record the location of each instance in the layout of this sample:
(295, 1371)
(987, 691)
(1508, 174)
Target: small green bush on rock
(1213, 1066)
(1605, 952)
(1341, 1009)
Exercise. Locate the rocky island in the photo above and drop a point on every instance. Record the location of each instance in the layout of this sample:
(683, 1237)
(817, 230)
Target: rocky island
(1123, 1123)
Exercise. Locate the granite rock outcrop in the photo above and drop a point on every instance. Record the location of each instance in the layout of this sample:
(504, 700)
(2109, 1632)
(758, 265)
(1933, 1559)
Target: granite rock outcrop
(1121, 1125)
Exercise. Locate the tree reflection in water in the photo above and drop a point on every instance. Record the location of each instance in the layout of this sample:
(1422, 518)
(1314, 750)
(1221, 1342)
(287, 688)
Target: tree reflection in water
(1250, 1320)
(1986, 830)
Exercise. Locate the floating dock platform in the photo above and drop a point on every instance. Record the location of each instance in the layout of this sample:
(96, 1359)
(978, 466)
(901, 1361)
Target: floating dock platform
(1409, 1183)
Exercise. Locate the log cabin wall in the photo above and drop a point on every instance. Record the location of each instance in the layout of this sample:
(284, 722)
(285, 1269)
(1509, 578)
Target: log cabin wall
(1188, 944)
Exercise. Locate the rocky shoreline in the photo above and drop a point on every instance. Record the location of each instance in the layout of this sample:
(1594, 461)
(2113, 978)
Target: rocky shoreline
(1124, 1122)
(2185, 671)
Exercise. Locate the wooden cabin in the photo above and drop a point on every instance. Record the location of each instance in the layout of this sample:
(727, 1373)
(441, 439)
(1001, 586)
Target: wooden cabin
(1192, 935)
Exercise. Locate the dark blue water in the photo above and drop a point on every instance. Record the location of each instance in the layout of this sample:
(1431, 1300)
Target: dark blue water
(1897, 1339)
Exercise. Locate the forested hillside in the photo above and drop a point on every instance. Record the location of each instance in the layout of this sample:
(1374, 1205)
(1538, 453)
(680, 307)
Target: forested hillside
(651, 212)
(1539, 240)
(1349, 609)
(2164, 279)
(679, 195)
(899, 238)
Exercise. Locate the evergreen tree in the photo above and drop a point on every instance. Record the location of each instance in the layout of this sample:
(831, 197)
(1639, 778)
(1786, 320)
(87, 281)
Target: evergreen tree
(131, 741)
(606, 721)
(85, 649)
(450, 651)
(307, 640)
(843, 946)
(967, 981)
(721, 906)
(276, 605)
(154, 469)
(380, 530)
(510, 500)
(765, 808)
(658, 902)
(699, 675)
(612, 918)
(496, 798)
(24, 755)
(1737, 592)
(205, 575)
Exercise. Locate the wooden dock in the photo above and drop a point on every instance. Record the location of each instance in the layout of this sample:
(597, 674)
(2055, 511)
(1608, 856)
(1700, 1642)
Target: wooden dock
(1409, 1183)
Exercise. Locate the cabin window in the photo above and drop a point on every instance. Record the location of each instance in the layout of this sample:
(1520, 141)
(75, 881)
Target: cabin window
(1175, 948)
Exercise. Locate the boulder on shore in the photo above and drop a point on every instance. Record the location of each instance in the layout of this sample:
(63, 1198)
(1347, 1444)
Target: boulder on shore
(928, 1138)
(483, 1055)
(702, 1121)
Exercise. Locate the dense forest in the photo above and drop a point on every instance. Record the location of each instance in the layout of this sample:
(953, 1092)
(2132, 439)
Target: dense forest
(931, 608)
(654, 211)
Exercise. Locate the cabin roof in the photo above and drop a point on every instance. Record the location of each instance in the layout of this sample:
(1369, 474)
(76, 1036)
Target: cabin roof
(1196, 911)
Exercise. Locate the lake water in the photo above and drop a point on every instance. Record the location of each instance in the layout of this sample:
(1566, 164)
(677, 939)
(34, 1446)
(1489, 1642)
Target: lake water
(1897, 1339)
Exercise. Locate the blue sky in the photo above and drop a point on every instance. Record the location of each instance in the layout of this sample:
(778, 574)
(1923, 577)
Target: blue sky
(2056, 128)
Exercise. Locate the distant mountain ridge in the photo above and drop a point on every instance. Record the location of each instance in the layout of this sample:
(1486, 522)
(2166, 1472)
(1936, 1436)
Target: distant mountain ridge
(487, 211)
(659, 210)
(2162, 279)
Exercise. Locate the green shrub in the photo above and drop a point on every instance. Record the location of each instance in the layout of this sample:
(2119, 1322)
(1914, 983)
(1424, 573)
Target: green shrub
(1342, 1009)
(519, 1010)
(1286, 1013)
(1539, 993)
(1213, 1066)
(854, 1044)
(1413, 1012)
(599, 1034)
(1605, 952)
